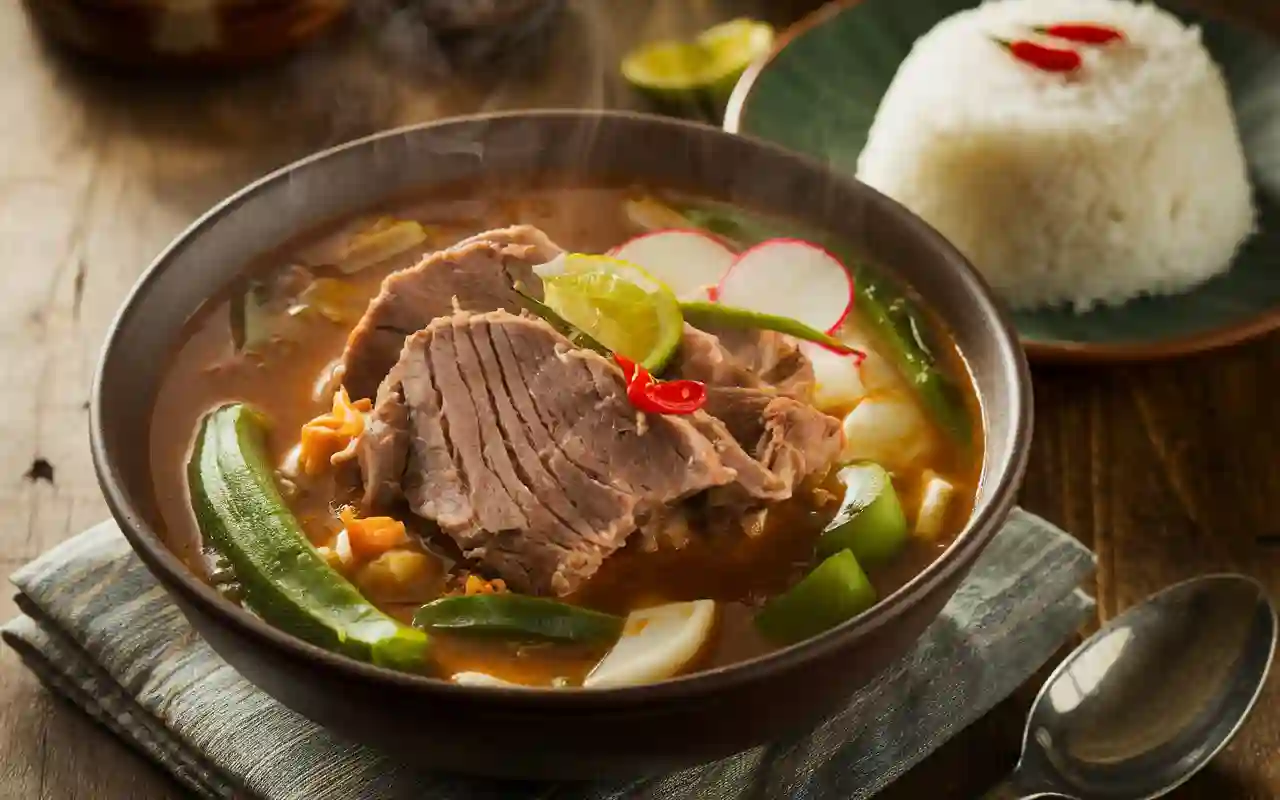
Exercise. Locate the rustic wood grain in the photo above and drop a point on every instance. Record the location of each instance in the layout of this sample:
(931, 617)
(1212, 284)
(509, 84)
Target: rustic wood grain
(1167, 471)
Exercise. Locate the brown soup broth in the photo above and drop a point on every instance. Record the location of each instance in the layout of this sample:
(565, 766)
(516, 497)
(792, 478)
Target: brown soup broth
(739, 572)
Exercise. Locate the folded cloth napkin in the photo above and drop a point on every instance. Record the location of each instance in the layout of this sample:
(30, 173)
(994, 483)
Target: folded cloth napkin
(98, 629)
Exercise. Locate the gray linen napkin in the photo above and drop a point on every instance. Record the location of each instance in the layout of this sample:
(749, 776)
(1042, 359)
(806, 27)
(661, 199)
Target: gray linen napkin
(98, 629)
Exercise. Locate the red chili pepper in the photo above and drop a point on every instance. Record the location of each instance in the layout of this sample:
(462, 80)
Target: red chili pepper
(1085, 32)
(639, 381)
(629, 367)
(660, 397)
(676, 397)
(1049, 59)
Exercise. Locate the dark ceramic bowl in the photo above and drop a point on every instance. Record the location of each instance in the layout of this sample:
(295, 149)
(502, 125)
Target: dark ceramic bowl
(555, 733)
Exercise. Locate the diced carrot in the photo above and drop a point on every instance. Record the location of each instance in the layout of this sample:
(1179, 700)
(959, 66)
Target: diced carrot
(330, 438)
(477, 585)
(370, 537)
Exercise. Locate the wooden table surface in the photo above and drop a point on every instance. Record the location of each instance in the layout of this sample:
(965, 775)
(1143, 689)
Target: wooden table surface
(1166, 471)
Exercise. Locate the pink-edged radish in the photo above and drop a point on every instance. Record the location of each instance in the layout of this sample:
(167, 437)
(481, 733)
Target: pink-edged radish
(790, 278)
(688, 261)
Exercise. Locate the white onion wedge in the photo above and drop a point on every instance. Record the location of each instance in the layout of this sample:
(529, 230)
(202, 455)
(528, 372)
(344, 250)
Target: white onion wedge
(483, 679)
(838, 382)
(790, 278)
(888, 428)
(656, 643)
(934, 502)
(690, 262)
(342, 546)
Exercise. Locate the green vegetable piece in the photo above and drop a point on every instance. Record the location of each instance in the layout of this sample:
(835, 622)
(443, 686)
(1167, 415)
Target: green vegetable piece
(242, 515)
(892, 321)
(700, 313)
(254, 320)
(870, 522)
(887, 313)
(836, 590)
(517, 615)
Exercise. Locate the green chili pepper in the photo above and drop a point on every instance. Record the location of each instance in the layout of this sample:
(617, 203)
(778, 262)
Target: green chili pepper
(517, 615)
(870, 522)
(836, 590)
(241, 513)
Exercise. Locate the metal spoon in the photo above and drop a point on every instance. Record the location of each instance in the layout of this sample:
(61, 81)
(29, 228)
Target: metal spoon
(1151, 698)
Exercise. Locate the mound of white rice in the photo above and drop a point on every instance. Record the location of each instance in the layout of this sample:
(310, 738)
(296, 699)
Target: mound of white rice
(1124, 177)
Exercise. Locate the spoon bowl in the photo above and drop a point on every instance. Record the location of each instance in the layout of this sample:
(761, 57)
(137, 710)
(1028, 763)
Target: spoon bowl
(1153, 696)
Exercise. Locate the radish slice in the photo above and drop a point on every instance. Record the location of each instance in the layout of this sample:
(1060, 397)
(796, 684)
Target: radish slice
(790, 278)
(690, 262)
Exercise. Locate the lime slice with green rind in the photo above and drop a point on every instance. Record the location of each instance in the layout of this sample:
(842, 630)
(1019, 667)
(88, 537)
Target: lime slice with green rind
(710, 64)
(616, 303)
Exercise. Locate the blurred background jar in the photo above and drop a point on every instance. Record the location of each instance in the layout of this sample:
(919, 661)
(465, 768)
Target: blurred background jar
(218, 34)
(201, 34)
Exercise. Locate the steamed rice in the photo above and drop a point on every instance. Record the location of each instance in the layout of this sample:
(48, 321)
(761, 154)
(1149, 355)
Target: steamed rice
(1125, 177)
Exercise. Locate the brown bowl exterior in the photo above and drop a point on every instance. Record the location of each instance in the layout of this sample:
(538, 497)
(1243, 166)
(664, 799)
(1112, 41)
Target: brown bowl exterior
(569, 734)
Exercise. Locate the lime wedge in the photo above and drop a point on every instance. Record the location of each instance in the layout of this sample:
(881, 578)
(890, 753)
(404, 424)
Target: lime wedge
(616, 303)
(710, 64)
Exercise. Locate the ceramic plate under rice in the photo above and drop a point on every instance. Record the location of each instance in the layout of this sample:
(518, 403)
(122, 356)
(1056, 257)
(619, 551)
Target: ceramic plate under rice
(1120, 178)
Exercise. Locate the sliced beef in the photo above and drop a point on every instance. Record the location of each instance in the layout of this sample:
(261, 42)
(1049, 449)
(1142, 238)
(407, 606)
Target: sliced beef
(384, 447)
(745, 358)
(475, 275)
(582, 397)
(790, 439)
(527, 452)
(595, 505)
(792, 373)
(667, 528)
(701, 357)
(798, 440)
(759, 384)
(741, 409)
(755, 483)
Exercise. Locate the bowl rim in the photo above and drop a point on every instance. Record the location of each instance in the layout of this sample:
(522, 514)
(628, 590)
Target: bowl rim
(178, 579)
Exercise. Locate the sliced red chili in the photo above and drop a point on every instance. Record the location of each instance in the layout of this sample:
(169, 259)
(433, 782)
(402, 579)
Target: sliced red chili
(660, 397)
(638, 394)
(1048, 59)
(1083, 32)
(629, 367)
(677, 397)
